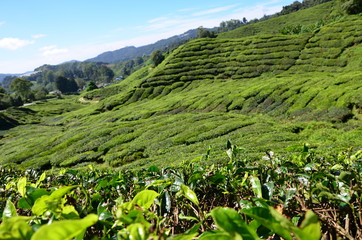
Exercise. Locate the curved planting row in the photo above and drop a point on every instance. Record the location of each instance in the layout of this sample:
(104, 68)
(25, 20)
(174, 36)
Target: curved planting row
(236, 59)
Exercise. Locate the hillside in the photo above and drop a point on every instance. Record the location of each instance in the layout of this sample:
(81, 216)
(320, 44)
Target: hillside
(304, 17)
(263, 92)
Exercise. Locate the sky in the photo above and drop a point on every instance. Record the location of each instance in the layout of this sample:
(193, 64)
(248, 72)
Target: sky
(38, 32)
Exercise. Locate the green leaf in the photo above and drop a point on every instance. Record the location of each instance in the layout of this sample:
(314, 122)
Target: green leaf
(272, 220)
(9, 211)
(230, 221)
(161, 182)
(137, 231)
(190, 218)
(256, 186)
(267, 190)
(22, 186)
(69, 212)
(16, 228)
(215, 235)
(153, 168)
(23, 203)
(194, 229)
(289, 195)
(58, 194)
(41, 178)
(40, 206)
(35, 193)
(145, 198)
(310, 227)
(189, 194)
(166, 203)
(63, 230)
(229, 152)
(228, 144)
(185, 236)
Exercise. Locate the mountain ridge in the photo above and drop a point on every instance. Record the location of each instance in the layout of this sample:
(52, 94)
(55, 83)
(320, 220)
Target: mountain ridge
(131, 52)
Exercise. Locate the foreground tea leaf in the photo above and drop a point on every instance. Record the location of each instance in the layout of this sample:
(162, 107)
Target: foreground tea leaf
(9, 211)
(41, 178)
(63, 230)
(189, 194)
(145, 198)
(256, 186)
(218, 236)
(22, 186)
(40, 206)
(310, 227)
(272, 220)
(137, 231)
(16, 228)
(230, 221)
(185, 237)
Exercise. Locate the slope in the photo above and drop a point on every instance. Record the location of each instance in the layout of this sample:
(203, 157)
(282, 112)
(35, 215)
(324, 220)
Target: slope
(265, 92)
(306, 17)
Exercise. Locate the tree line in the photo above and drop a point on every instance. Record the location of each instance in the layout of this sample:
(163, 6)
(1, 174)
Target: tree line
(66, 78)
(21, 92)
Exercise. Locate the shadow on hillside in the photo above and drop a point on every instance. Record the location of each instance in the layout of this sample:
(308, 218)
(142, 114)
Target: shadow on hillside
(6, 123)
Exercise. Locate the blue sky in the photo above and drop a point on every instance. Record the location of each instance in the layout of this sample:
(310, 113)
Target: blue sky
(37, 32)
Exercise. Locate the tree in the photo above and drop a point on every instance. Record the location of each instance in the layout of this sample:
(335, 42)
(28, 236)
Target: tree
(295, 6)
(41, 93)
(352, 6)
(66, 85)
(91, 86)
(157, 57)
(204, 33)
(49, 76)
(104, 74)
(22, 88)
(230, 25)
(2, 90)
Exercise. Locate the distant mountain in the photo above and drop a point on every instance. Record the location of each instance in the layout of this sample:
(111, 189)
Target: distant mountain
(71, 61)
(131, 52)
(4, 75)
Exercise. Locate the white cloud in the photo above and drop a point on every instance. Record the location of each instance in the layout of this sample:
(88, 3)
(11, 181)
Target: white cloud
(52, 50)
(187, 19)
(153, 30)
(214, 10)
(157, 19)
(186, 10)
(14, 43)
(38, 36)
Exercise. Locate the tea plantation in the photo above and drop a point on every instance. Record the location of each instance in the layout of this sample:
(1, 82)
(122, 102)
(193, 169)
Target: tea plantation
(259, 128)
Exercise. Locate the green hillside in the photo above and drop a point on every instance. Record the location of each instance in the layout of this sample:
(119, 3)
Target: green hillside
(263, 92)
(306, 17)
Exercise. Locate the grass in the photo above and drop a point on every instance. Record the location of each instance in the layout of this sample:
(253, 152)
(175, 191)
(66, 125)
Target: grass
(262, 92)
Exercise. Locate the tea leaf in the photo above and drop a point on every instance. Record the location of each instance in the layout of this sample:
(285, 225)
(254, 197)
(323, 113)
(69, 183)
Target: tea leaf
(66, 229)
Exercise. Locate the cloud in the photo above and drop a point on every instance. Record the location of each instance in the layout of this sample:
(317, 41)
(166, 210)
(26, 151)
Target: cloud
(38, 36)
(52, 50)
(214, 10)
(186, 10)
(157, 19)
(14, 43)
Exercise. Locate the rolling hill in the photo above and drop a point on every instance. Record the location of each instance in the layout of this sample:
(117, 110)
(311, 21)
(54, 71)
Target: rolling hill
(263, 91)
